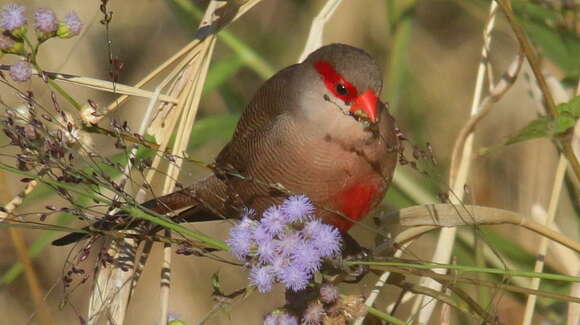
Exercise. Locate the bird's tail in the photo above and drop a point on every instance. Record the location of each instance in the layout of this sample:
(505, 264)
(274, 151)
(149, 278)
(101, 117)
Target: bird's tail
(203, 201)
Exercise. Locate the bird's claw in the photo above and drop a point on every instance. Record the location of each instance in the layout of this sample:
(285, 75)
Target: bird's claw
(357, 272)
(351, 273)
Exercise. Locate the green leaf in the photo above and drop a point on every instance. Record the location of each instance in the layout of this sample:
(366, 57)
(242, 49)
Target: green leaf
(211, 128)
(526, 10)
(572, 107)
(222, 71)
(562, 47)
(538, 128)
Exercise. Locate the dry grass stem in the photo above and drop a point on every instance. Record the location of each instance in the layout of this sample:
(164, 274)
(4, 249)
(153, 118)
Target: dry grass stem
(315, 36)
(543, 247)
(423, 218)
(21, 249)
(484, 107)
(446, 239)
(17, 200)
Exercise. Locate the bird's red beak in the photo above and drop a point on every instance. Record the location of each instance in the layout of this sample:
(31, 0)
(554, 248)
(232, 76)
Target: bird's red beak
(365, 106)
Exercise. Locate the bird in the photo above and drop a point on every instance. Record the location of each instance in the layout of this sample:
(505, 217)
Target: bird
(316, 128)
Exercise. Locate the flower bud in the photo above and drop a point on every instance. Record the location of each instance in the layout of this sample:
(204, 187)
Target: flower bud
(70, 26)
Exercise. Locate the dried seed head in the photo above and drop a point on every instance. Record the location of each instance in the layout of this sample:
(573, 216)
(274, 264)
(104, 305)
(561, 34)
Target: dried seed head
(89, 114)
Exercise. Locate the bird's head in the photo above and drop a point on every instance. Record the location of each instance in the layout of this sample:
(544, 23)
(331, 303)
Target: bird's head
(345, 77)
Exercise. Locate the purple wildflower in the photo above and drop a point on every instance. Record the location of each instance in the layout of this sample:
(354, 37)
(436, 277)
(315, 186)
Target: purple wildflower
(313, 314)
(274, 220)
(45, 20)
(328, 293)
(280, 318)
(262, 235)
(73, 22)
(70, 26)
(288, 243)
(280, 263)
(241, 238)
(262, 277)
(287, 319)
(5, 42)
(21, 71)
(311, 229)
(305, 256)
(12, 17)
(327, 240)
(294, 278)
(248, 213)
(297, 208)
(267, 251)
(171, 316)
(279, 251)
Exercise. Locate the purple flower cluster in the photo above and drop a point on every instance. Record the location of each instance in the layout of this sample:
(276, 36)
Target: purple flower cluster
(13, 27)
(280, 318)
(21, 71)
(12, 18)
(286, 245)
(45, 20)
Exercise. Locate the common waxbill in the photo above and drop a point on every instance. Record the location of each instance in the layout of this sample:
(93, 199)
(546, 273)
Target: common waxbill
(317, 128)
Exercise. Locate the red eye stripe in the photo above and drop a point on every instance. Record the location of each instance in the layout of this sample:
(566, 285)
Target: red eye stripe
(332, 78)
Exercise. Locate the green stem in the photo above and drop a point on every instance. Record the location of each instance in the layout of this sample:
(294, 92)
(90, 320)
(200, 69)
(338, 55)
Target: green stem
(509, 273)
(63, 93)
(384, 316)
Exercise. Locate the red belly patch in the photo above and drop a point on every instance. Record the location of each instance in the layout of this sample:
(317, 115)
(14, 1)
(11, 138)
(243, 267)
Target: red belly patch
(355, 202)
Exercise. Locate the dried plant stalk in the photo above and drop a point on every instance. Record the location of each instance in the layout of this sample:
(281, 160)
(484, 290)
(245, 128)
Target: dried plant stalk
(458, 177)
(424, 218)
(315, 39)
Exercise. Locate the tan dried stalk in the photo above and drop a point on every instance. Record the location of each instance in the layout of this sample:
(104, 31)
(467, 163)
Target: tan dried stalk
(186, 80)
(424, 218)
(315, 36)
(458, 176)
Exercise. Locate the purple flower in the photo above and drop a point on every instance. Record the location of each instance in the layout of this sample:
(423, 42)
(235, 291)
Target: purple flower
(242, 238)
(12, 16)
(328, 293)
(311, 229)
(248, 213)
(274, 220)
(21, 71)
(73, 22)
(262, 235)
(307, 257)
(280, 318)
(287, 319)
(70, 26)
(288, 243)
(262, 277)
(313, 314)
(294, 278)
(279, 251)
(45, 20)
(297, 207)
(280, 263)
(267, 251)
(327, 240)
(5, 42)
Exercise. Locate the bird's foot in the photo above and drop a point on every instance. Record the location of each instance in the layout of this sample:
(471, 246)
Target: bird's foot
(350, 273)
(356, 272)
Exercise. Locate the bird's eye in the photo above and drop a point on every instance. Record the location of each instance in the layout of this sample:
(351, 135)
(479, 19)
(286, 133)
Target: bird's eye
(341, 90)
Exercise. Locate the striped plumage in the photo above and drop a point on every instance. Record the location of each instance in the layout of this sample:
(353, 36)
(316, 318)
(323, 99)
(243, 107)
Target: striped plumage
(298, 132)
